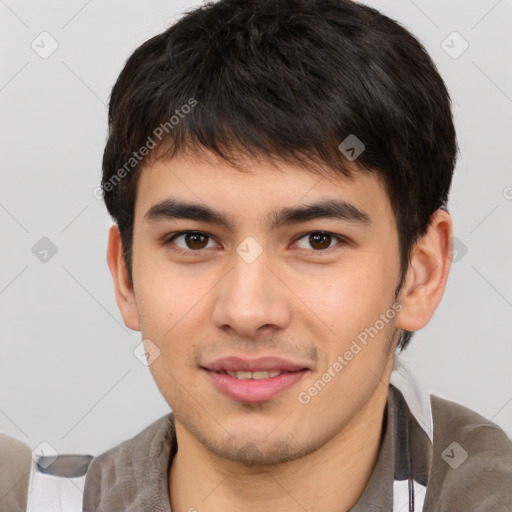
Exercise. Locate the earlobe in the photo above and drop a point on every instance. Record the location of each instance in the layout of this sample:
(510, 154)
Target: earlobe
(125, 295)
(427, 274)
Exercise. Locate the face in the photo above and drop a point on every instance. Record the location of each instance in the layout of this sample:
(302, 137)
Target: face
(310, 295)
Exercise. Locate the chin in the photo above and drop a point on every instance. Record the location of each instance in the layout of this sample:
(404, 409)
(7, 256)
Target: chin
(257, 450)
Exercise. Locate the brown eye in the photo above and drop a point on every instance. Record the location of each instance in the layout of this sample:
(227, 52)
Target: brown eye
(194, 241)
(318, 240)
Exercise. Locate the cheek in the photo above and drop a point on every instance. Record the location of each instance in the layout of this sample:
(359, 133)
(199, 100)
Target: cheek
(347, 297)
(164, 296)
(171, 314)
(351, 303)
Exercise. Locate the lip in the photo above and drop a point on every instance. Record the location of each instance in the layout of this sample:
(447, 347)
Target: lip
(264, 364)
(254, 390)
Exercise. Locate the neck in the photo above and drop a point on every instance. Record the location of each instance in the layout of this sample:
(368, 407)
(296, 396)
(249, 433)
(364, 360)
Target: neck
(331, 478)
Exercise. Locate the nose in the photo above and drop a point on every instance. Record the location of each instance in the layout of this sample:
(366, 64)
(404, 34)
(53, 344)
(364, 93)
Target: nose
(252, 297)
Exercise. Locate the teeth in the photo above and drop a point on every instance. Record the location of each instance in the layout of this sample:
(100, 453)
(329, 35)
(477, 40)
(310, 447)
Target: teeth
(253, 375)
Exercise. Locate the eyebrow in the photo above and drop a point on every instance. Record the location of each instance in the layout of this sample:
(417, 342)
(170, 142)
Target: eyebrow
(338, 209)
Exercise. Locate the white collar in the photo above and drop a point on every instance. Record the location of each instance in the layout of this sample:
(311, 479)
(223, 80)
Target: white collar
(415, 393)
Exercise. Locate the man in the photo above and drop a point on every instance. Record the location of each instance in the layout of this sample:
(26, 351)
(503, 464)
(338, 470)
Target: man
(278, 172)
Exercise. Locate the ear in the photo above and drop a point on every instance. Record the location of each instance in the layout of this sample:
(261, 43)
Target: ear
(427, 274)
(125, 295)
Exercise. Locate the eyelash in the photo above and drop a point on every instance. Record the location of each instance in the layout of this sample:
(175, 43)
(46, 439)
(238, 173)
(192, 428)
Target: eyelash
(172, 236)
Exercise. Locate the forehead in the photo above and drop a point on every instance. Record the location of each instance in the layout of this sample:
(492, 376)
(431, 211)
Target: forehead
(258, 189)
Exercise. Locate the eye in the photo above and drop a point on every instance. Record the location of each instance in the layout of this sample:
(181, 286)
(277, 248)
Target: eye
(194, 241)
(320, 240)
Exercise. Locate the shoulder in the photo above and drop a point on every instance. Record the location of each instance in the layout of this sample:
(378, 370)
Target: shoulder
(455, 422)
(106, 471)
(116, 463)
(15, 467)
(114, 476)
(471, 460)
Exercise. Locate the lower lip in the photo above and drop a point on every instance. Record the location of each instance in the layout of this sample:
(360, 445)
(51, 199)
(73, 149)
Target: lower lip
(254, 390)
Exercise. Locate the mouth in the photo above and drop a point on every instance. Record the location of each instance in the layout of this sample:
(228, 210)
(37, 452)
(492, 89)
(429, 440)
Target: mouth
(257, 375)
(253, 381)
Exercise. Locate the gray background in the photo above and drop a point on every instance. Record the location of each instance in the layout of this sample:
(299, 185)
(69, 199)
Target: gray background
(68, 375)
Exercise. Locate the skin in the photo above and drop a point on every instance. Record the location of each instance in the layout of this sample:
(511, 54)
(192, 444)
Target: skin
(291, 302)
